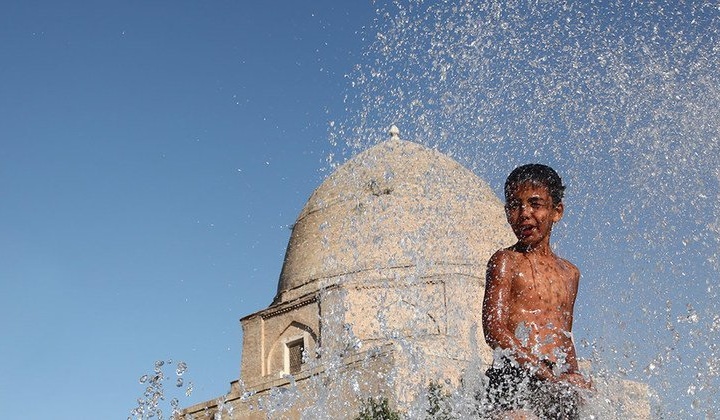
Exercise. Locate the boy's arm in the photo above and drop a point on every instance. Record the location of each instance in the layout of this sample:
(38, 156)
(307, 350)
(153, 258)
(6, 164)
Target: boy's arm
(573, 374)
(571, 360)
(496, 309)
(571, 357)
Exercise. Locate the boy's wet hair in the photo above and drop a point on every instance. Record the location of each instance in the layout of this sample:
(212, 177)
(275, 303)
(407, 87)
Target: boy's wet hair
(537, 173)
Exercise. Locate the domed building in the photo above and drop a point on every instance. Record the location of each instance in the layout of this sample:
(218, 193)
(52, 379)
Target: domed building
(380, 291)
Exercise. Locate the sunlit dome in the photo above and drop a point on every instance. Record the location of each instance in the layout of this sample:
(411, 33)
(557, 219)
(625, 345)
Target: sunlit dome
(398, 204)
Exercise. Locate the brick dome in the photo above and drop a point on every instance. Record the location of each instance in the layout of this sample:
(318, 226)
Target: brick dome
(397, 204)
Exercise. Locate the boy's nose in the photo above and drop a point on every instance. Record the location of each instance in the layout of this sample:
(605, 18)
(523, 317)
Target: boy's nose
(525, 210)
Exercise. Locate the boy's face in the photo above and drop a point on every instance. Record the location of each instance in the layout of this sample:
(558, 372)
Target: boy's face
(531, 213)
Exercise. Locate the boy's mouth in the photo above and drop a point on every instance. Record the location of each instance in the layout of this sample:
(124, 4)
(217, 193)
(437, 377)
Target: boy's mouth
(526, 230)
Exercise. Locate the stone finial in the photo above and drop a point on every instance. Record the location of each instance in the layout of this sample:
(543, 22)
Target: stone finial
(394, 133)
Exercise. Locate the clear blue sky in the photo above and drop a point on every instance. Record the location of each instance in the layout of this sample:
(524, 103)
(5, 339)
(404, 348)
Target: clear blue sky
(152, 158)
(154, 154)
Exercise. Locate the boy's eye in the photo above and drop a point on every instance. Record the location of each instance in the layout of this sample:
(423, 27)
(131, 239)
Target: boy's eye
(534, 205)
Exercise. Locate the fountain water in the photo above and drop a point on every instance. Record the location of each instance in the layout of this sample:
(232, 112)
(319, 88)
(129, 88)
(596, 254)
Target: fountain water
(155, 394)
(622, 98)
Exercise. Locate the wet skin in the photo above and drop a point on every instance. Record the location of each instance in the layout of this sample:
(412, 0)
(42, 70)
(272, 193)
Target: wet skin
(530, 292)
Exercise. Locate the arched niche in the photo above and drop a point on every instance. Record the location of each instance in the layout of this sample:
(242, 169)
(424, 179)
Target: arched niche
(291, 350)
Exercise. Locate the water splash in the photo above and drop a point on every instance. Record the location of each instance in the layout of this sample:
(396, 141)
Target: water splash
(152, 401)
(622, 98)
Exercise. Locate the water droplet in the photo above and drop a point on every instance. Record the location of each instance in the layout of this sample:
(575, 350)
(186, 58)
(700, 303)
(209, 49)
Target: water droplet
(181, 368)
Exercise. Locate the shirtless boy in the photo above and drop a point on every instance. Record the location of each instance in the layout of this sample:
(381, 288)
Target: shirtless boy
(528, 306)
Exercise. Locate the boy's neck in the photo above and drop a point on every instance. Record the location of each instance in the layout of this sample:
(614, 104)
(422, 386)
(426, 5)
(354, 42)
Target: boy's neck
(540, 249)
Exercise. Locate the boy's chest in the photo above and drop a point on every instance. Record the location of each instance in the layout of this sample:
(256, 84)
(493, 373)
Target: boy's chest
(543, 288)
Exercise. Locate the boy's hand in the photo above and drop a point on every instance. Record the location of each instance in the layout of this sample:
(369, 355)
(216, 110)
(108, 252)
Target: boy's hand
(577, 380)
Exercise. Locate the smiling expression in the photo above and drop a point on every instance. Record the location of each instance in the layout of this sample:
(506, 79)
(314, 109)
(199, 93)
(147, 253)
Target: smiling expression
(531, 213)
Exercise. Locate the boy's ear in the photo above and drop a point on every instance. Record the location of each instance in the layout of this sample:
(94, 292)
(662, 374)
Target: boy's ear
(559, 210)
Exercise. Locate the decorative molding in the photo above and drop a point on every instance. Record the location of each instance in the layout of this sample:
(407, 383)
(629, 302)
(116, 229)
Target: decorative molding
(286, 308)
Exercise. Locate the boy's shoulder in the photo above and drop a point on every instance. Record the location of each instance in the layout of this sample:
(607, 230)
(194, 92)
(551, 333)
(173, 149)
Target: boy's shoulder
(565, 266)
(504, 256)
(569, 266)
